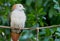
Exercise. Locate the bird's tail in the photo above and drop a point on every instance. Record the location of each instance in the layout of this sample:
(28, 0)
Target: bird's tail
(14, 36)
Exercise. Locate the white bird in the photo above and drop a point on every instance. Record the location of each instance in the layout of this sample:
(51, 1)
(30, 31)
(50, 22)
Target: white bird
(18, 19)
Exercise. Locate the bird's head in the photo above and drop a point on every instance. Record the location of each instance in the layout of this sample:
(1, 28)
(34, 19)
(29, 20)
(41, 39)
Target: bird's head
(18, 7)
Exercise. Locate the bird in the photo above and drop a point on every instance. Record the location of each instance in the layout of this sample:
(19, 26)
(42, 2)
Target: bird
(18, 19)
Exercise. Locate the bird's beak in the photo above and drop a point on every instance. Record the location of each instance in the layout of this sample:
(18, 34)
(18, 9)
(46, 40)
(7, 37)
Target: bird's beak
(23, 8)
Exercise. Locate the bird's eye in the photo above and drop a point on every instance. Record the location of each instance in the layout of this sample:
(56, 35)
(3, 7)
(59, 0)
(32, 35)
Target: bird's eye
(19, 6)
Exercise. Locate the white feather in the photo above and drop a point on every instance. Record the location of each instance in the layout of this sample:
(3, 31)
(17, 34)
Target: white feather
(18, 17)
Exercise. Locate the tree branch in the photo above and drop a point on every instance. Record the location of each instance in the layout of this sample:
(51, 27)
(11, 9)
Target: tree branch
(53, 26)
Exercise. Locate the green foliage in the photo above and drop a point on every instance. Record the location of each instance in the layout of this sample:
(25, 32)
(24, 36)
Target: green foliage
(39, 13)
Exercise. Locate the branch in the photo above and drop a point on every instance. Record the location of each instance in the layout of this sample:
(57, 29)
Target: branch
(53, 26)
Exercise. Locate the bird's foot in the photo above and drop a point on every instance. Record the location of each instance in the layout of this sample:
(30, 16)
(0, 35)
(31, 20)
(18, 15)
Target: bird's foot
(13, 28)
(21, 28)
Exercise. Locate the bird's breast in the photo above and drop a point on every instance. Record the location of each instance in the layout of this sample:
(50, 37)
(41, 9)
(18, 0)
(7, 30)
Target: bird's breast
(18, 16)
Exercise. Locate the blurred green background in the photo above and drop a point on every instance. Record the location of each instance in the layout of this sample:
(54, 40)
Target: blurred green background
(39, 13)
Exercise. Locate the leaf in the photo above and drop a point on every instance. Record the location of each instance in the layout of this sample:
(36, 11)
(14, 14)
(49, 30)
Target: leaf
(58, 29)
(51, 39)
(52, 12)
(41, 22)
(41, 12)
(48, 32)
(39, 3)
(28, 2)
(57, 39)
(46, 39)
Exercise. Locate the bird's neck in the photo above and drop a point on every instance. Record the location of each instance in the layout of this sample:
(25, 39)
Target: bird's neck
(19, 10)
